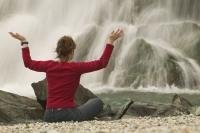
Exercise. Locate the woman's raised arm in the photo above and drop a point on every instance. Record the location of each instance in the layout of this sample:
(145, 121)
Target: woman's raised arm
(85, 67)
(39, 66)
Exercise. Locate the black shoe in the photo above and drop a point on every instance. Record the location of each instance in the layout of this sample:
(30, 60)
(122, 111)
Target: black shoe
(124, 109)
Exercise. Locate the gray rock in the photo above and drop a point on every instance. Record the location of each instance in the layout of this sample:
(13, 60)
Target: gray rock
(40, 89)
(141, 109)
(181, 102)
(178, 106)
(148, 65)
(15, 108)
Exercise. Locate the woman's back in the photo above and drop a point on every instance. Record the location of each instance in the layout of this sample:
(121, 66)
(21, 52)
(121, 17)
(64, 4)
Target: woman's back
(63, 77)
(62, 83)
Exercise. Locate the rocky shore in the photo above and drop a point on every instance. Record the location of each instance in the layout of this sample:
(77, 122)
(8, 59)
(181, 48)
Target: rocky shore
(150, 113)
(129, 124)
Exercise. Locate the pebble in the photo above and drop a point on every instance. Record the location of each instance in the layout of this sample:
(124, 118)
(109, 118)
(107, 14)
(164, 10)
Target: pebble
(173, 124)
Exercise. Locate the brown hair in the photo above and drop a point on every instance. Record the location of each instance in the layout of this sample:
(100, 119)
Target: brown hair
(65, 47)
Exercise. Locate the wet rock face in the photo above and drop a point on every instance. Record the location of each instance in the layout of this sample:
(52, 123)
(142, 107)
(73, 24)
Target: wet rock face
(194, 53)
(150, 65)
(173, 59)
(84, 42)
(180, 35)
(15, 108)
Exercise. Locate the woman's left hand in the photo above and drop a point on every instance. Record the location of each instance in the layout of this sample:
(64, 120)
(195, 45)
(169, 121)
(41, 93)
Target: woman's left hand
(17, 36)
(114, 35)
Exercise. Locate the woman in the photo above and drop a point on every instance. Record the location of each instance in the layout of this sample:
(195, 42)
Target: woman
(63, 77)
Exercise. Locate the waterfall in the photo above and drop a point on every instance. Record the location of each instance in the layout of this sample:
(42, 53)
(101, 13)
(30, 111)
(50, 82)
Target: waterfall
(160, 47)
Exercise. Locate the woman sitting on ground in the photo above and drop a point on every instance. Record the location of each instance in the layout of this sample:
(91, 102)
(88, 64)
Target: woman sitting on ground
(63, 77)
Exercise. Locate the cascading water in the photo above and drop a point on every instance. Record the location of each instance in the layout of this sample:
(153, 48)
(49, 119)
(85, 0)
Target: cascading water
(161, 45)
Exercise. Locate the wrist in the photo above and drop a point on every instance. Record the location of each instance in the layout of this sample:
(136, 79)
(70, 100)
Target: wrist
(110, 41)
(24, 42)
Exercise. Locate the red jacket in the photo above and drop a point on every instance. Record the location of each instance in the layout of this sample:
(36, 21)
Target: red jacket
(63, 77)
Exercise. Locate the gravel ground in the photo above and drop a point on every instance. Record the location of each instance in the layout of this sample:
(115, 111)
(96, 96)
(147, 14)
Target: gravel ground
(176, 124)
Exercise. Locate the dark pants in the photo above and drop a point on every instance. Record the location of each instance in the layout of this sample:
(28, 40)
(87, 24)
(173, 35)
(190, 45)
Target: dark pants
(84, 112)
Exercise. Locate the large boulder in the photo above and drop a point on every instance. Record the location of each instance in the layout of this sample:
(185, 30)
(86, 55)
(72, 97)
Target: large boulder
(15, 108)
(178, 106)
(40, 88)
(85, 40)
(182, 36)
(147, 64)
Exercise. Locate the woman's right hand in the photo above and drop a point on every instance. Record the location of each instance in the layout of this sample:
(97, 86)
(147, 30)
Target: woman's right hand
(114, 35)
(17, 36)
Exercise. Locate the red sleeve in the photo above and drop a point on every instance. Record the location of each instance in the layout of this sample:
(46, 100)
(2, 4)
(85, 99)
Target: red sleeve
(84, 67)
(39, 66)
